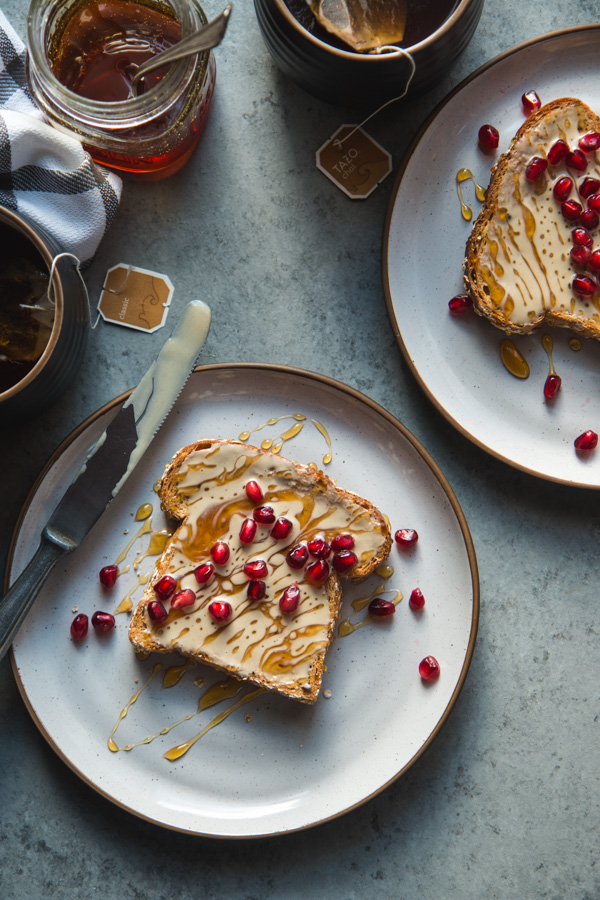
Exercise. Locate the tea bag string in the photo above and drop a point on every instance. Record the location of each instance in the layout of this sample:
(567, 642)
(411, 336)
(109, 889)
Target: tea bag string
(413, 68)
(77, 262)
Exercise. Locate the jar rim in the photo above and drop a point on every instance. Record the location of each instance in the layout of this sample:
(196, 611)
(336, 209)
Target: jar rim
(41, 13)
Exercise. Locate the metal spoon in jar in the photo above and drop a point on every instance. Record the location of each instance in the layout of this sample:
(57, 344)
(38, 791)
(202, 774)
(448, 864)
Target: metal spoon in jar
(207, 37)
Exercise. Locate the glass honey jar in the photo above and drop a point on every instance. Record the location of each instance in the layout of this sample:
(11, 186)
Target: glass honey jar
(81, 55)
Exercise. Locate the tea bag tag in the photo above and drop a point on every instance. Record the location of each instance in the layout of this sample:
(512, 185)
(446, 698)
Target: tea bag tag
(354, 161)
(136, 298)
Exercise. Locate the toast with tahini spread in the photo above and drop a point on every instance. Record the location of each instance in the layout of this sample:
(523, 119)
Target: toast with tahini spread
(519, 267)
(249, 583)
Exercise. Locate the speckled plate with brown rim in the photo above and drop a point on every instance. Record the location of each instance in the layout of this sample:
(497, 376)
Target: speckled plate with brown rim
(274, 765)
(457, 361)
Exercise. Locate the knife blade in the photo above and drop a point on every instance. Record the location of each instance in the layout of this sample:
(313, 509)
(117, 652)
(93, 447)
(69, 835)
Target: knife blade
(109, 463)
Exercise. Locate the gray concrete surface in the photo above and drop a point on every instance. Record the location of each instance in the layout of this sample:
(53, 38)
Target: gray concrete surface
(505, 802)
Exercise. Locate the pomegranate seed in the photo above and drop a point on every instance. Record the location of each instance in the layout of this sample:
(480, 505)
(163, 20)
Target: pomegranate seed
(594, 202)
(108, 576)
(220, 610)
(571, 210)
(281, 529)
(531, 101)
(416, 600)
(253, 492)
(581, 256)
(406, 537)
(220, 552)
(586, 441)
(552, 386)
(460, 304)
(588, 187)
(297, 556)
(204, 573)
(582, 237)
(248, 531)
(256, 568)
(344, 561)
(317, 572)
(488, 137)
(156, 611)
(164, 587)
(535, 168)
(264, 515)
(183, 598)
(584, 285)
(103, 621)
(256, 590)
(576, 160)
(429, 668)
(562, 188)
(557, 152)
(595, 260)
(79, 627)
(590, 219)
(589, 142)
(319, 548)
(342, 542)
(289, 600)
(381, 608)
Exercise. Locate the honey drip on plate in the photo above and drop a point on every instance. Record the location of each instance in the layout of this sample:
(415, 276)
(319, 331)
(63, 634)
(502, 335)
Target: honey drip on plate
(275, 444)
(144, 512)
(548, 345)
(513, 360)
(174, 674)
(178, 751)
(575, 344)
(465, 175)
(126, 603)
(347, 626)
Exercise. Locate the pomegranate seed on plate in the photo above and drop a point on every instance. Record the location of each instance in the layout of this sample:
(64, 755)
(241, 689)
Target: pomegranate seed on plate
(220, 610)
(183, 599)
(595, 260)
(586, 441)
(590, 219)
(571, 210)
(319, 548)
(103, 621)
(460, 304)
(589, 142)
(381, 608)
(584, 286)
(552, 386)
(581, 255)
(156, 611)
(557, 152)
(108, 576)
(220, 552)
(256, 568)
(535, 168)
(429, 668)
(253, 492)
(576, 160)
(594, 202)
(406, 537)
(204, 573)
(289, 600)
(562, 188)
(317, 572)
(588, 187)
(582, 237)
(79, 627)
(488, 137)
(342, 542)
(281, 529)
(344, 561)
(297, 557)
(416, 600)
(256, 590)
(248, 531)
(531, 101)
(264, 515)
(164, 587)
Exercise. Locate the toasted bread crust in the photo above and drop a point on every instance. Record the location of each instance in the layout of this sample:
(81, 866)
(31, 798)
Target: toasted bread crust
(303, 479)
(558, 308)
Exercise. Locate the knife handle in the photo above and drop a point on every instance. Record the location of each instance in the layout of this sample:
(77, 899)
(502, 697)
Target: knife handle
(16, 603)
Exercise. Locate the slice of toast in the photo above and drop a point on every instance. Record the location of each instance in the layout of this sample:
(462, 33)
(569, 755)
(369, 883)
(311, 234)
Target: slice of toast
(205, 489)
(518, 269)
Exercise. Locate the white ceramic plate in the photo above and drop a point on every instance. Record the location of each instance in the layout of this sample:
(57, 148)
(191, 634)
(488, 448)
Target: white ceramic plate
(457, 361)
(291, 766)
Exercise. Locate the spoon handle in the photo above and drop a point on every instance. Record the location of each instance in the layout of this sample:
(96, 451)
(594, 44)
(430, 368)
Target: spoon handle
(208, 37)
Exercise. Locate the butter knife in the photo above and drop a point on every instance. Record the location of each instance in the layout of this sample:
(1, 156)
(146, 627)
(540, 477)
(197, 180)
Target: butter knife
(109, 463)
